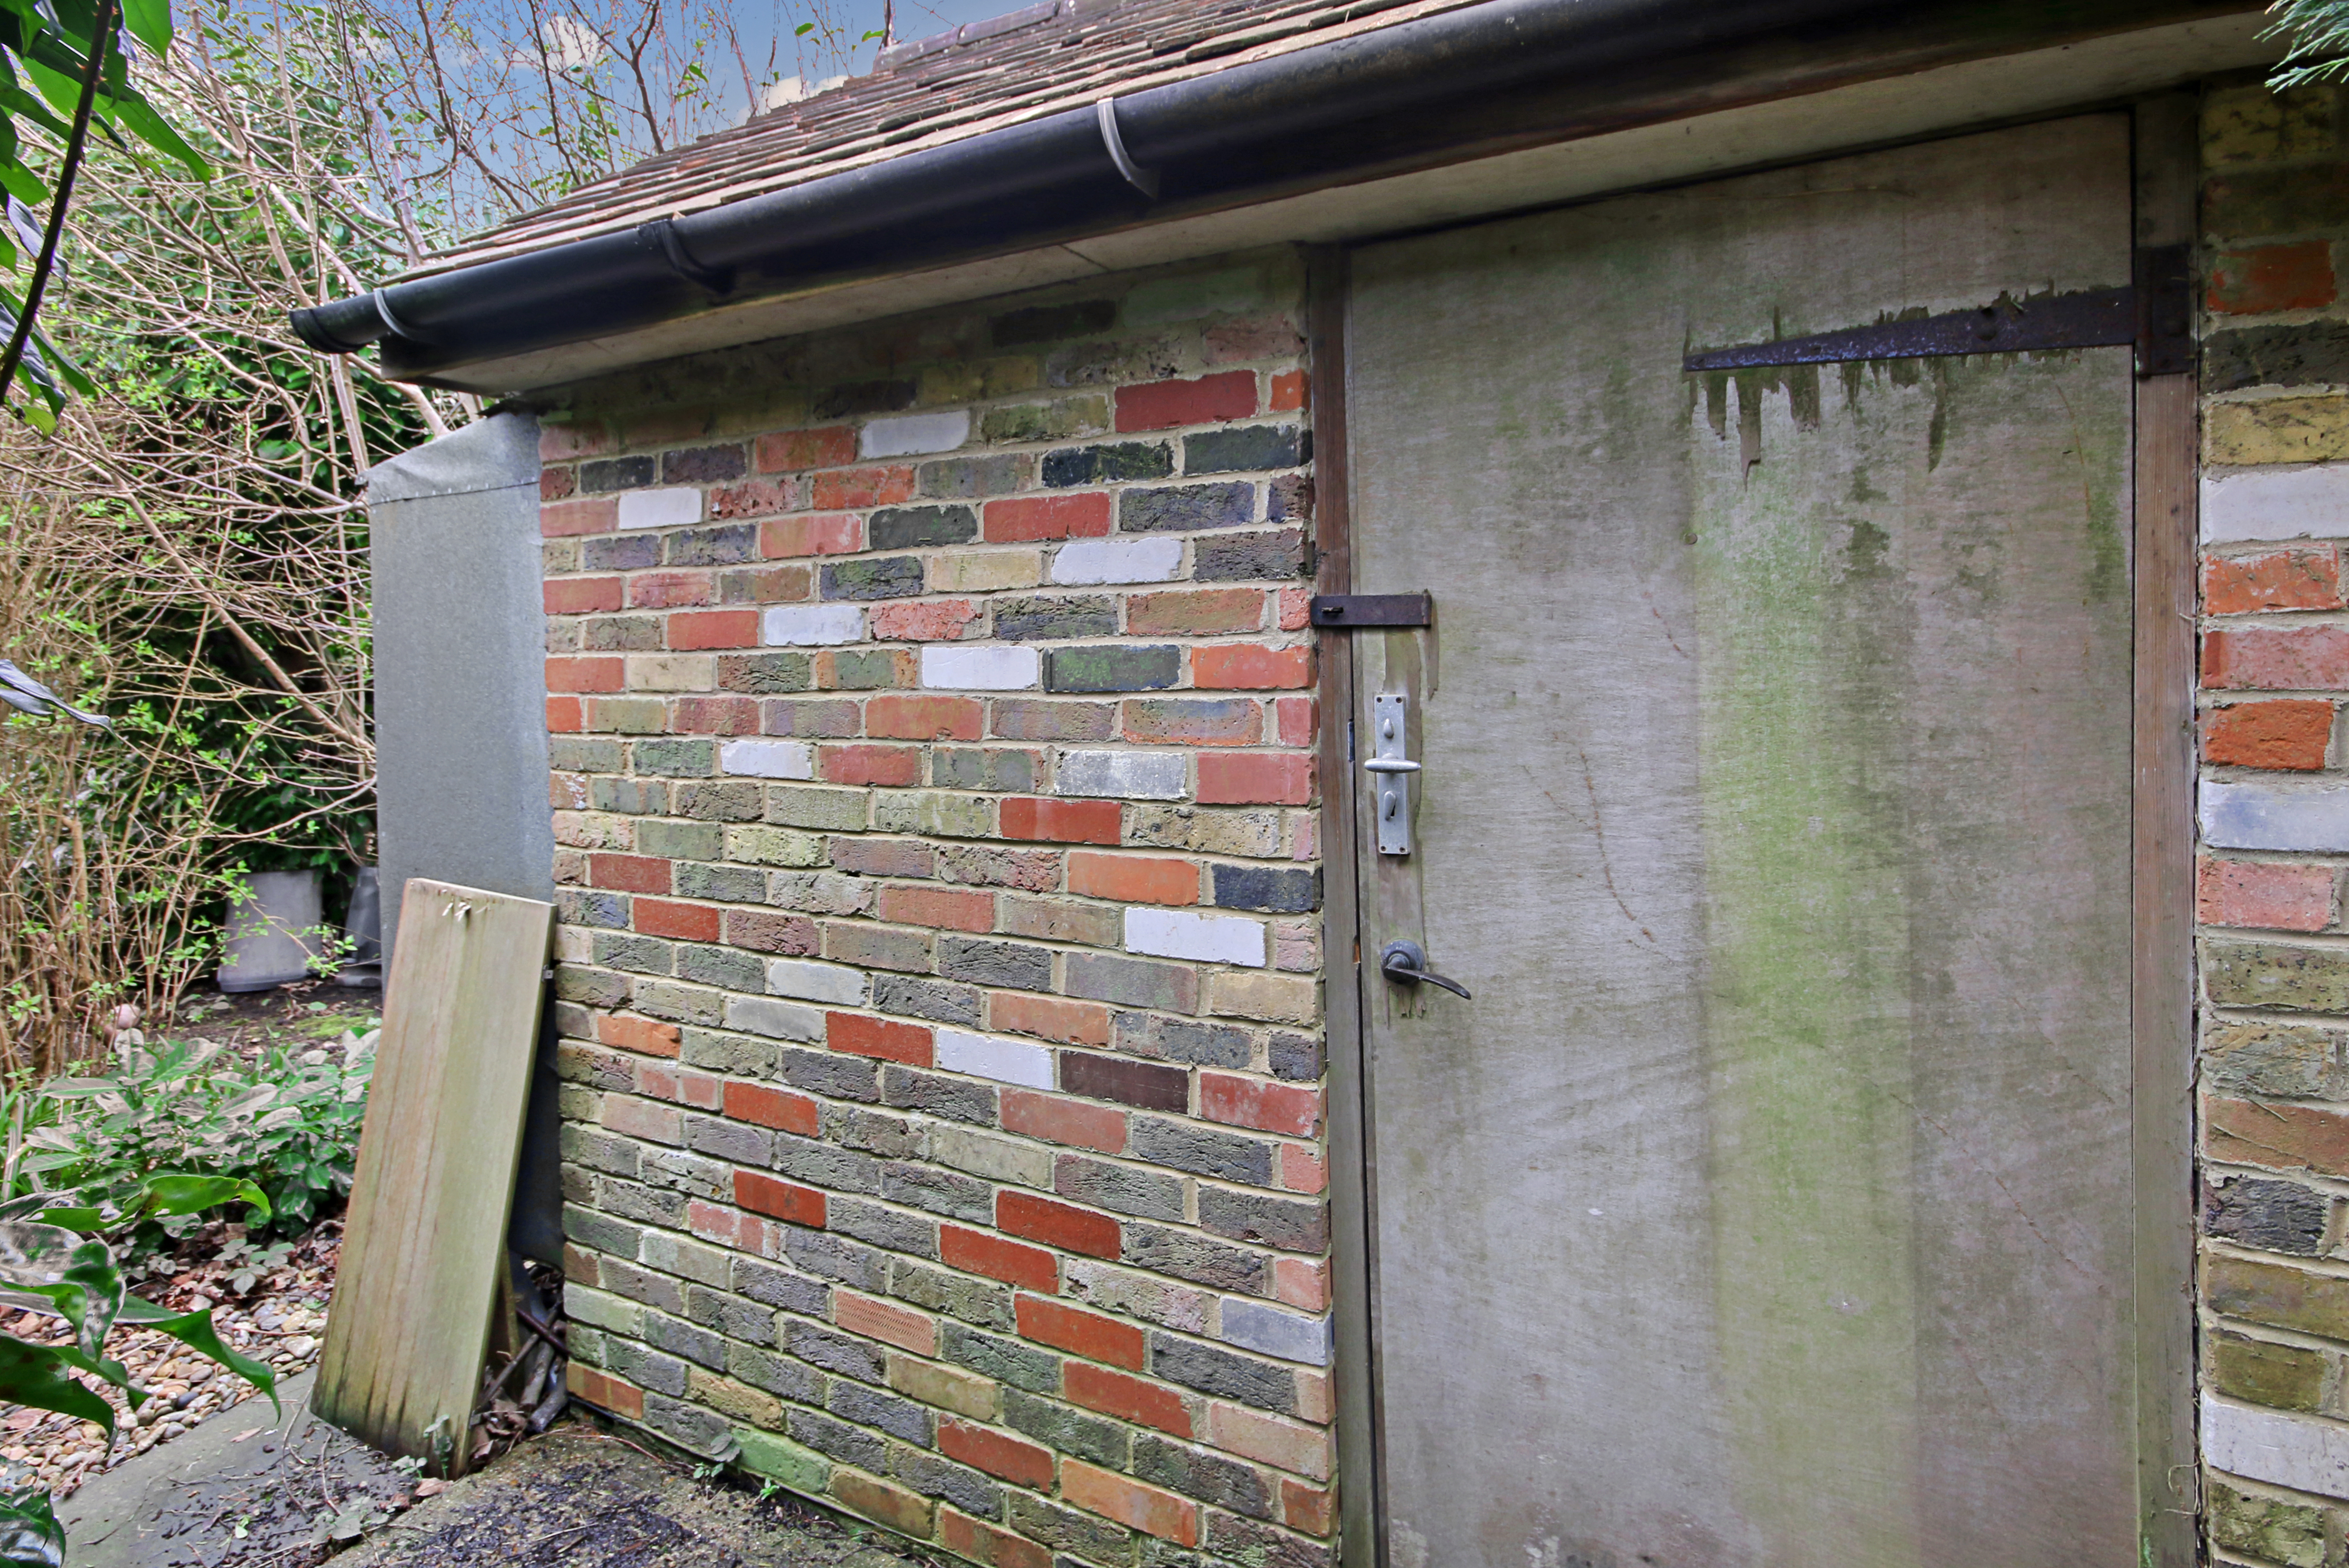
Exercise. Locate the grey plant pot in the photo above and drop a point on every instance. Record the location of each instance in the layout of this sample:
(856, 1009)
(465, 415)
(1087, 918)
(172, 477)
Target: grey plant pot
(273, 923)
(363, 929)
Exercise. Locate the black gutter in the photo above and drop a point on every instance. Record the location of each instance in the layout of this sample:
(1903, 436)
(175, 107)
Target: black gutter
(1505, 72)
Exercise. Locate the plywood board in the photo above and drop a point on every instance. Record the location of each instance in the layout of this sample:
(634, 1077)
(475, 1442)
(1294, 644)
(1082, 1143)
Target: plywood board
(424, 1244)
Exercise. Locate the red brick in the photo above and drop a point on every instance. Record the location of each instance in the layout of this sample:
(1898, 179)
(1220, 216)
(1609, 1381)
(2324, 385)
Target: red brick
(884, 1321)
(633, 1117)
(764, 585)
(581, 1267)
(604, 1391)
(1255, 778)
(925, 718)
(1250, 666)
(1255, 1102)
(1162, 405)
(1061, 1225)
(772, 1108)
(1287, 394)
(2288, 732)
(982, 1542)
(564, 716)
(1131, 1502)
(2279, 1136)
(1300, 1450)
(1302, 1282)
(669, 591)
(880, 856)
(791, 451)
(941, 620)
(998, 1453)
(1312, 1510)
(587, 675)
(869, 764)
(1295, 609)
(1080, 1333)
(713, 716)
(1195, 613)
(2296, 276)
(1025, 517)
(1129, 1399)
(584, 596)
(646, 1036)
(727, 1226)
(1192, 722)
(976, 1252)
(785, 537)
(851, 489)
(628, 873)
(2262, 895)
(1050, 1018)
(1301, 1169)
(860, 1037)
(1058, 1121)
(1133, 878)
(686, 922)
(949, 908)
(1060, 821)
(754, 498)
(781, 1199)
(771, 931)
(564, 518)
(2306, 576)
(1298, 720)
(2307, 658)
(713, 628)
(893, 1506)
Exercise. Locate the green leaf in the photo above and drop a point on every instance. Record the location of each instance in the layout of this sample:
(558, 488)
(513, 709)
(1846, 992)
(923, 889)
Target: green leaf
(152, 128)
(194, 1329)
(34, 1375)
(30, 1536)
(150, 22)
(194, 1194)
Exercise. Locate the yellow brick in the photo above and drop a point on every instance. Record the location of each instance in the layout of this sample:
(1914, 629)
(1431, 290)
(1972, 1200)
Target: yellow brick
(963, 572)
(753, 1406)
(962, 383)
(1276, 998)
(2277, 429)
(964, 1393)
(757, 413)
(672, 672)
(2253, 125)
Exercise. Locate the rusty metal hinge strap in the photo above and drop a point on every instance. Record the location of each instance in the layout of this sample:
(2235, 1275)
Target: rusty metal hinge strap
(1341, 611)
(2154, 314)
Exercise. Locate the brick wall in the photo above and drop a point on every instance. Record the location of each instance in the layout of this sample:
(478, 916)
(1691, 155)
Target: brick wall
(938, 956)
(2274, 803)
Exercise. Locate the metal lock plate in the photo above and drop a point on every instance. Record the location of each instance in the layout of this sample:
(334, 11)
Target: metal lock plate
(1390, 772)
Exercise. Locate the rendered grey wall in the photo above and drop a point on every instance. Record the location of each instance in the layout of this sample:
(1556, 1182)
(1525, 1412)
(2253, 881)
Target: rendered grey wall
(460, 712)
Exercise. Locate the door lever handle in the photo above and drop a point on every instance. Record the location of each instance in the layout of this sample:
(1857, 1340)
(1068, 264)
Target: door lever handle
(1405, 964)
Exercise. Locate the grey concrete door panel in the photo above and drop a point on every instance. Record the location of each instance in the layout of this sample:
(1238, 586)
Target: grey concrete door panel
(1771, 1202)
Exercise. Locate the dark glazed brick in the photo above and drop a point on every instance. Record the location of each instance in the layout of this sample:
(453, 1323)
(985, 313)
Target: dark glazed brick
(953, 1098)
(622, 552)
(764, 673)
(894, 578)
(1180, 1040)
(1225, 1482)
(2311, 355)
(1030, 620)
(702, 465)
(982, 1301)
(1188, 1255)
(883, 1227)
(662, 1374)
(1111, 666)
(903, 527)
(689, 1425)
(723, 884)
(616, 473)
(1278, 892)
(833, 1076)
(1188, 507)
(840, 1439)
(1056, 1426)
(1244, 449)
(1293, 1225)
(947, 1192)
(998, 1358)
(1251, 558)
(863, 397)
(1012, 964)
(720, 546)
(1220, 1372)
(2278, 1216)
(859, 1267)
(871, 1408)
(1082, 1538)
(1202, 1151)
(776, 1373)
(774, 1287)
(1231, 1539)
(1143, 1084)
(957, 1484)
(1296, 1057)
(1046, 323)
(850, 1357)
(826, 1165)
(1107, 465)
(969, 478)
(913, 998)
(1120, 1188)
(1290, 499)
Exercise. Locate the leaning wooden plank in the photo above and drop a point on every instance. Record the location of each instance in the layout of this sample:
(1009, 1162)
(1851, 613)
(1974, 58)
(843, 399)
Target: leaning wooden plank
(424, 1244)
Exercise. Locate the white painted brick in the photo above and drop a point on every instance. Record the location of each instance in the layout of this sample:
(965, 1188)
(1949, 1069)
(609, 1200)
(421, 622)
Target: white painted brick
(980, 668)
(777, 1020)
(768, 759)
(2302, 1453)
(2261, 815)
(2310, 503)
(659, 508)
(811, 626)
(909, 434)
(1157, 560)
(815, 981)
(992, 1057)
(1269, 1330)
(1125, 776)
(1211, 938)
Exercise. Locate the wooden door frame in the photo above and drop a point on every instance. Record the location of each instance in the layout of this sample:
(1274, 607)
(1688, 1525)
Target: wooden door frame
(2162, 986)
